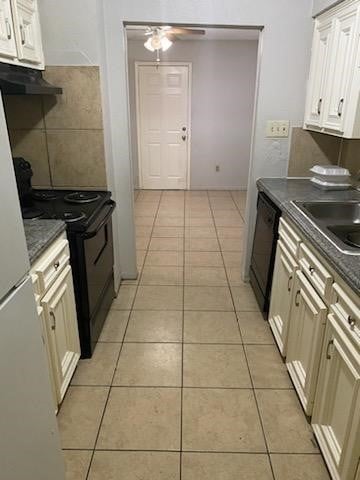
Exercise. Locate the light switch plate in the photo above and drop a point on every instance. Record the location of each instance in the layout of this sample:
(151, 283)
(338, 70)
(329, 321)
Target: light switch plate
(277, 128)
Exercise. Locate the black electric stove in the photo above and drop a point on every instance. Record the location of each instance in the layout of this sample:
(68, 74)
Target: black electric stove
(89, 230)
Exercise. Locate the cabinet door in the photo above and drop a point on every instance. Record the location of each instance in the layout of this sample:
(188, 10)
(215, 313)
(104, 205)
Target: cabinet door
(47, 345)
(336, 418)
(281, 295)
(342, 65)
(306, 331)
(7, 35)
(28, 33)
(59, 306)
(321, 46)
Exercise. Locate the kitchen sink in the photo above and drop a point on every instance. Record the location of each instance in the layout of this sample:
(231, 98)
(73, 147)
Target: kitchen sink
(338, 213)
(338, 221)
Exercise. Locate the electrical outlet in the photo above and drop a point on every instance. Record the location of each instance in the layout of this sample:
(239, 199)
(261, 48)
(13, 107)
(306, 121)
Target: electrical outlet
(217, 168)
(277, 128)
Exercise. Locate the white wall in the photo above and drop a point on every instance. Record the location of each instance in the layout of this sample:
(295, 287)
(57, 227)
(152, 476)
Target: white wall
(70, 32)
(282, 82)
(223, 87)
(320, 5)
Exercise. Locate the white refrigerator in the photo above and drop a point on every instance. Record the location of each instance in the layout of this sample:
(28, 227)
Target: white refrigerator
(29, 439)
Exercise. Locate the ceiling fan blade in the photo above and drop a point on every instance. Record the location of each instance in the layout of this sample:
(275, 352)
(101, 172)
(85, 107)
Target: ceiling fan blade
(186, 31)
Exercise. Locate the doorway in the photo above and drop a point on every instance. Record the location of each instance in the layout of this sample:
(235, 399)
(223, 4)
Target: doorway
(163, 112)
(223, 81)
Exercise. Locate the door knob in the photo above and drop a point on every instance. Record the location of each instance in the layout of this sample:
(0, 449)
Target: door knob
(183, 129)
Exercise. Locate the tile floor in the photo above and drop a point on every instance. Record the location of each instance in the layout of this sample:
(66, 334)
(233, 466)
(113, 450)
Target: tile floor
(186, 382)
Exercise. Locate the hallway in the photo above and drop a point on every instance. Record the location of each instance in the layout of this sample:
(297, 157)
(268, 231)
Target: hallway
(186, 382)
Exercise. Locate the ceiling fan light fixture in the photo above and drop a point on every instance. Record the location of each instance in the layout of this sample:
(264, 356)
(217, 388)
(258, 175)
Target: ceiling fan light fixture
(148, 45)
(165, 44)
(158, 41)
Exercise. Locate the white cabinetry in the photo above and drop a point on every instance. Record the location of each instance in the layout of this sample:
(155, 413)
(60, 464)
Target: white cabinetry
(20, 33)
(336, 418)
(308, 316)
(58, 304)
(7, 34)
(323, 347)
(54, 293)
(284, 271)
(318, 71)
(334, 80)
(28, 33)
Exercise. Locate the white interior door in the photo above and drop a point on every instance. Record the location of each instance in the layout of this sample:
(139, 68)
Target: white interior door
(163, 125)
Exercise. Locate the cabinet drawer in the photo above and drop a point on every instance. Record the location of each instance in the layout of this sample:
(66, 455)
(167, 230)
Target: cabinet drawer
(346, 307)
(288, 235)
(318, 275)
(52, 263)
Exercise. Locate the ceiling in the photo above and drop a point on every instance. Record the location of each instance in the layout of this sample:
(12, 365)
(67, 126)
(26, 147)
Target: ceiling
(136, 32)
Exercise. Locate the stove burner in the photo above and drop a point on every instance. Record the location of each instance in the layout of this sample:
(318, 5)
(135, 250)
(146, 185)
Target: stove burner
(70, 217)
(45, 196)
(29, 213)
(353, 239)
(82, 197)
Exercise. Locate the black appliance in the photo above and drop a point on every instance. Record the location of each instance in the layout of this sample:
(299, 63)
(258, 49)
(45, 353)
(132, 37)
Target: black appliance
(89, 230)
(264, 250)
(16, 80)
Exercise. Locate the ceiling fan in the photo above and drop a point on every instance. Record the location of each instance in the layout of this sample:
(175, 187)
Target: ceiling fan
(162, 37)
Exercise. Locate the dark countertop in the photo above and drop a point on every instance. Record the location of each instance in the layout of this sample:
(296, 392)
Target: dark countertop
(282, 191)
(40, 234)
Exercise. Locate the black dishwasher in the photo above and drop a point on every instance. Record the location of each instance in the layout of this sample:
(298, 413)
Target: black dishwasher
(264, 249)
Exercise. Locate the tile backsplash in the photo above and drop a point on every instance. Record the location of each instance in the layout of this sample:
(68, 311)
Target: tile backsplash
(61, 136)
(311, 148)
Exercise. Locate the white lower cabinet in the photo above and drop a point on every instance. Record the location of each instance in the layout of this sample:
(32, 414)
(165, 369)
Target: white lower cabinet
(308, 317)
(284, 273)
(58, 304)
(54, 294)
(322, 316)
(336, 416)
(42, 319)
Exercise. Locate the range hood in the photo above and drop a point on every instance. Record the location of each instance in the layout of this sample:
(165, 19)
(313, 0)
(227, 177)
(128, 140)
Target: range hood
(15, 80)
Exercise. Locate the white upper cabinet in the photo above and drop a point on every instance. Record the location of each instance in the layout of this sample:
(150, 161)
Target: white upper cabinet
(7, 34)
(20, 33)
(28, 33)
(334, 81)
(318, 72)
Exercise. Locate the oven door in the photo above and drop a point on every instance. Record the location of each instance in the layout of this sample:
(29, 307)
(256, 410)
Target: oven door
(99, 257)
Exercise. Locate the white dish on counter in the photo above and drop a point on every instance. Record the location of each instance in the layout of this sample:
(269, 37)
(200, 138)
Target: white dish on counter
(329, 185)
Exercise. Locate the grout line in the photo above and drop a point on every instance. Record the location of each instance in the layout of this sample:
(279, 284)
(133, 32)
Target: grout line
(182, 345)
(221, 452)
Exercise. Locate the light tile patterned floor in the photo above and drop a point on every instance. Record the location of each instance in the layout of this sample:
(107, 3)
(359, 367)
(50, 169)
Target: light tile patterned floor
(186, 382)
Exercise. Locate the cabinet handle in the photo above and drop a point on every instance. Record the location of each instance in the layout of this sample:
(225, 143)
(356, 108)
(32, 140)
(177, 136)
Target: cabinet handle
(297, 303)
(319, 106)
(289, 283)
(340, 107)
(311, 270)
(56, 265)
(328, 356)
(183, 138)
(8, 29)
(53, 326)
(351, 322)
(22, 34)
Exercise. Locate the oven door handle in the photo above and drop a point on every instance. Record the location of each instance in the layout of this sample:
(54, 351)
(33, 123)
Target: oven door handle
(92, 233)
